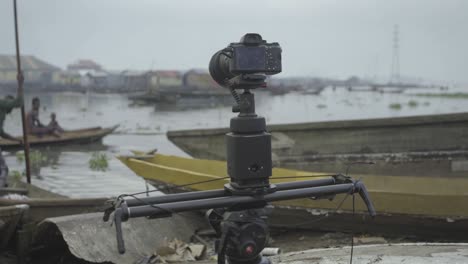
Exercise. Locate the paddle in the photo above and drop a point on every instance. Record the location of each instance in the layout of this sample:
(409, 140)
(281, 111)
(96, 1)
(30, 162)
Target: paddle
(20, 78)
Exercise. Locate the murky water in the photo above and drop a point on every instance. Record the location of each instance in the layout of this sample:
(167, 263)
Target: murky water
(65, 170)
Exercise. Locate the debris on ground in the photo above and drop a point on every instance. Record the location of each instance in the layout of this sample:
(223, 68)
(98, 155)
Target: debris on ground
(175, 251)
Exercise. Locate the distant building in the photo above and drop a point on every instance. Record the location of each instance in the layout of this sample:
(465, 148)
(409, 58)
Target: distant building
(134, 80)
(164, 80)
(115, 80)
(199, 79)
(91, 74)
(36, 72)
(69, 79)
(84, 65)
(95, 79)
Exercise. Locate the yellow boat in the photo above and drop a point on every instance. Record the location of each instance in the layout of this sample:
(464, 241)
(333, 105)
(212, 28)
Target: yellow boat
(411, 205)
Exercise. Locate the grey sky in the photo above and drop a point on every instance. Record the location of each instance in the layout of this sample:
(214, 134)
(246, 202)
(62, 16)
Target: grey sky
(326, 38)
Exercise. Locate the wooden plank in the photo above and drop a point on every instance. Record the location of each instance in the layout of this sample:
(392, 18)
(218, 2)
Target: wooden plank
(5, 191)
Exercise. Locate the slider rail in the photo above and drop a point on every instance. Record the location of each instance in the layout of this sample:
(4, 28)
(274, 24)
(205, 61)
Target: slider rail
(165, 206)
(231, 201)
(199, 195)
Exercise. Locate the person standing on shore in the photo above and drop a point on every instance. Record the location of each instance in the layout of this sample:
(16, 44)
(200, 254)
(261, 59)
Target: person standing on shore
(6, 106)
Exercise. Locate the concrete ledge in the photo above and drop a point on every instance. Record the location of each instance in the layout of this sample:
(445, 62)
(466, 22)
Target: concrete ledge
(414, 253)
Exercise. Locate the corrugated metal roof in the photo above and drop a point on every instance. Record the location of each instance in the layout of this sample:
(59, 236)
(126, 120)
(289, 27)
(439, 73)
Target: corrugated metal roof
(198, 71)
(89, 238)
(97, 73)
(84, 65)
(133, 73)
(28, 63)
(167, 73)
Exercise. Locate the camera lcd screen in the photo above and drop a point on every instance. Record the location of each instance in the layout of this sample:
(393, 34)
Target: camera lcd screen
(250, 58)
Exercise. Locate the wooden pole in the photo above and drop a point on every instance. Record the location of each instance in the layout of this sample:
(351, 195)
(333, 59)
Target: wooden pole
(20, 95)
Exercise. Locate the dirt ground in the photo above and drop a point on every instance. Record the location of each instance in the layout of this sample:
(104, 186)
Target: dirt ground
(286, 240)
(297, 240)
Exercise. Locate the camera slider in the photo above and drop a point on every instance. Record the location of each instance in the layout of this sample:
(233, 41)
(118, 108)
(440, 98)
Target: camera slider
(165, 206)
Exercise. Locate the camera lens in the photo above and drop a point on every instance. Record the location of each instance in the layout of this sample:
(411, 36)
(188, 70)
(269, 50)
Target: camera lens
(219, 67)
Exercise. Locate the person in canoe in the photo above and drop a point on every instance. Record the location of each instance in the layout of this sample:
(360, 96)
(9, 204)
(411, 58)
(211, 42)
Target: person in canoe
(34, 125)
(53, 123)
(6, 105)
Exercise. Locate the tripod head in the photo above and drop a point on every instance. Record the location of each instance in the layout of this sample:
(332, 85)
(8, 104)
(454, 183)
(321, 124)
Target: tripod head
(248, 146)
(238, 212)
(242, 235)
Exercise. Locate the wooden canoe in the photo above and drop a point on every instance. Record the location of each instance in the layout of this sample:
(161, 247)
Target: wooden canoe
(79, 136)
(430, 145)
(411, 205)
(42, 208)
(6, 191)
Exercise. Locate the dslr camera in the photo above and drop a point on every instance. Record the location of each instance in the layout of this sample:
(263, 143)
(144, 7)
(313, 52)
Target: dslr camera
(252, 55)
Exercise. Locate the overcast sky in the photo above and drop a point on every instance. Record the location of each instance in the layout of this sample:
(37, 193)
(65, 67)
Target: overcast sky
(325, 38)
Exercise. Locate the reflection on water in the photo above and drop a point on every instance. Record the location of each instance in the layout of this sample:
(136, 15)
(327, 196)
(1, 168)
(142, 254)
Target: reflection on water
(67, 172)
(142, 128)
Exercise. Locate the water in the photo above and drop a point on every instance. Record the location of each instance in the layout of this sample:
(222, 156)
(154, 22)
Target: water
(65, 169)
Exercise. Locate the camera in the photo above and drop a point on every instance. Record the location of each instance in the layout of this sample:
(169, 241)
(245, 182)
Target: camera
(252, 55)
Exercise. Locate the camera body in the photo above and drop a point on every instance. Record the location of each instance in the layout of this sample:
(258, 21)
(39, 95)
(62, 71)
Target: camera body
(252, 55)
